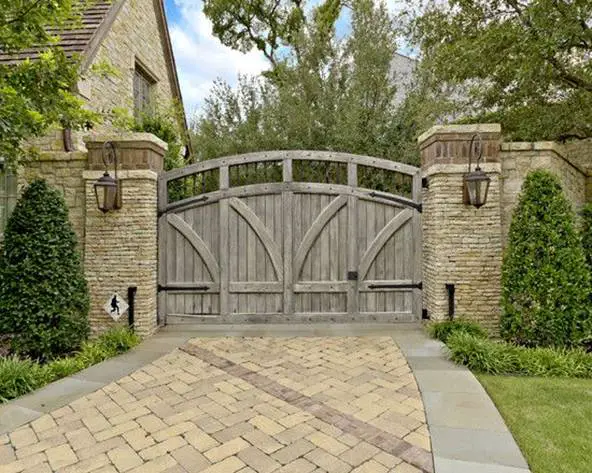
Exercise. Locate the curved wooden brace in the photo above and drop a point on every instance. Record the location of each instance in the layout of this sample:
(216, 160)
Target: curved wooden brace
(261, 231)
(197, 243)
(383, 236)
(315, 230)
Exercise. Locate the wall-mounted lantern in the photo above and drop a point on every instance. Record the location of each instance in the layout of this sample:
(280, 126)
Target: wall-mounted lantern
(107, 188)
(476, 183)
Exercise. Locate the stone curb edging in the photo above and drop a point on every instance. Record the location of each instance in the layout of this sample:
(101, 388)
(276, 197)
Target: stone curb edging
(467, 432)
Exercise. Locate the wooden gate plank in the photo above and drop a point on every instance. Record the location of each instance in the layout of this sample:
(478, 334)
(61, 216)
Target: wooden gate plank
(313, 232)
(383, 236)
(352, 255)
(287, 219)
(198, 244)
(224, 257)
(261, 231)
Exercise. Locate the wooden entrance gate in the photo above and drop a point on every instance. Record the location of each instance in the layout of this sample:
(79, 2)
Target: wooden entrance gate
(290, 236)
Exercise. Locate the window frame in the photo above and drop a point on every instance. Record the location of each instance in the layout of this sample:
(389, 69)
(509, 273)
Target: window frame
(148, 84)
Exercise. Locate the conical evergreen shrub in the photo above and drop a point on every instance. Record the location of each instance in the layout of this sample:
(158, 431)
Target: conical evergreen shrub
(44, 299)
(545, 280)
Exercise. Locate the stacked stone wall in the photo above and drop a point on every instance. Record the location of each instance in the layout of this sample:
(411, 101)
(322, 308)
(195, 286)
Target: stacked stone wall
(64, 172)
(579, 153)
(518, 159)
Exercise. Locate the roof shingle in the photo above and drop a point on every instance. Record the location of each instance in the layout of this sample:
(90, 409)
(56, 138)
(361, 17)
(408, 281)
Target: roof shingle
(72, 41)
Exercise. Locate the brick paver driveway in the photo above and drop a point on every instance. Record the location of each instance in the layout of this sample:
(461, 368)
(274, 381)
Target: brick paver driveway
(225, 405)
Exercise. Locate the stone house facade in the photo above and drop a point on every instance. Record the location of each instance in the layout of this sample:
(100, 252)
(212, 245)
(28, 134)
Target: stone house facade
(131, 37)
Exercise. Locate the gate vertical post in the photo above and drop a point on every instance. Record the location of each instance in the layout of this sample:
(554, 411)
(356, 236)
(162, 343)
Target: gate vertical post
(287, 202)
(417, 304)
(224, 249)
(353, 260)
(462, 245)
(163, 197)
(121, 246)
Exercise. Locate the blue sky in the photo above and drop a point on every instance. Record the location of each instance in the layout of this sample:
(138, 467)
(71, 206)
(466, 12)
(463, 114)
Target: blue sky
(201, 58)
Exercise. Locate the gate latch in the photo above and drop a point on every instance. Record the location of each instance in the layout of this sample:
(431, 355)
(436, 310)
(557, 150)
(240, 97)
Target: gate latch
(352, 275)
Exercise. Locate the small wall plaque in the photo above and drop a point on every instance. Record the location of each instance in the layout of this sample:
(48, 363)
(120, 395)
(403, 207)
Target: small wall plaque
(116, 306)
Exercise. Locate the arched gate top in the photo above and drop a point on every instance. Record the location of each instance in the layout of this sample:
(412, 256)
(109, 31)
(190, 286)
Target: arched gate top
(300, 171)
(264, 156)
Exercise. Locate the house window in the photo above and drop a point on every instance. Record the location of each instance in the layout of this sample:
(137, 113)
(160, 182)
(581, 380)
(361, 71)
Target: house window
(8, 195)
(143, 91)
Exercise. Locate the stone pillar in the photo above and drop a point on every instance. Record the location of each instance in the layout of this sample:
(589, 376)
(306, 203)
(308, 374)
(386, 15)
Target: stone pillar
(462, 245)
(121, 246)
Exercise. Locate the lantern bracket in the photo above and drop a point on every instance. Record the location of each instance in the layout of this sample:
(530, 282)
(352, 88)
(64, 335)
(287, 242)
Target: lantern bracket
(110, 157)
(471, 149)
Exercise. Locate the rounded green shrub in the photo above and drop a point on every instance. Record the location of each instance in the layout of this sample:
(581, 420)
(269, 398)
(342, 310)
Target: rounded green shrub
(545, 279)
(44, 299)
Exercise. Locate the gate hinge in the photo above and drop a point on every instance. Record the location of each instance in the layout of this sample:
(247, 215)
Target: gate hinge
(177, 288)
(413, 285)
(402, 200)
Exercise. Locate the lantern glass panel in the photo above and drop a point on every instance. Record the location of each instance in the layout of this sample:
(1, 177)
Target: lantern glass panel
(477, 187)
(106, 193)
(472, 191)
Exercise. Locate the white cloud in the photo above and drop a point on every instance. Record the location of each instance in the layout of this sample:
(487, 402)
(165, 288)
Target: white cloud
(201, 58)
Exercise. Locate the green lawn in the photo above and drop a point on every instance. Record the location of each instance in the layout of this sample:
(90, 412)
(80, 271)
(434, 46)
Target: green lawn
(550, 418)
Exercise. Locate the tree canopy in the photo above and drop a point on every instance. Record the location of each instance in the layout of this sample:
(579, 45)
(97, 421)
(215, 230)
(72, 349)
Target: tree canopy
(321, 92)
(36, 93)
(263, 24)
(525, 63)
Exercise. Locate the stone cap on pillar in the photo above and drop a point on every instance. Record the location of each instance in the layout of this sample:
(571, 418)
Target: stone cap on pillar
(134, 151)
(449, 144)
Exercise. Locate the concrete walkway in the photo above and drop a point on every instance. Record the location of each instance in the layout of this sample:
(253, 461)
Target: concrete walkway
(322, 398)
